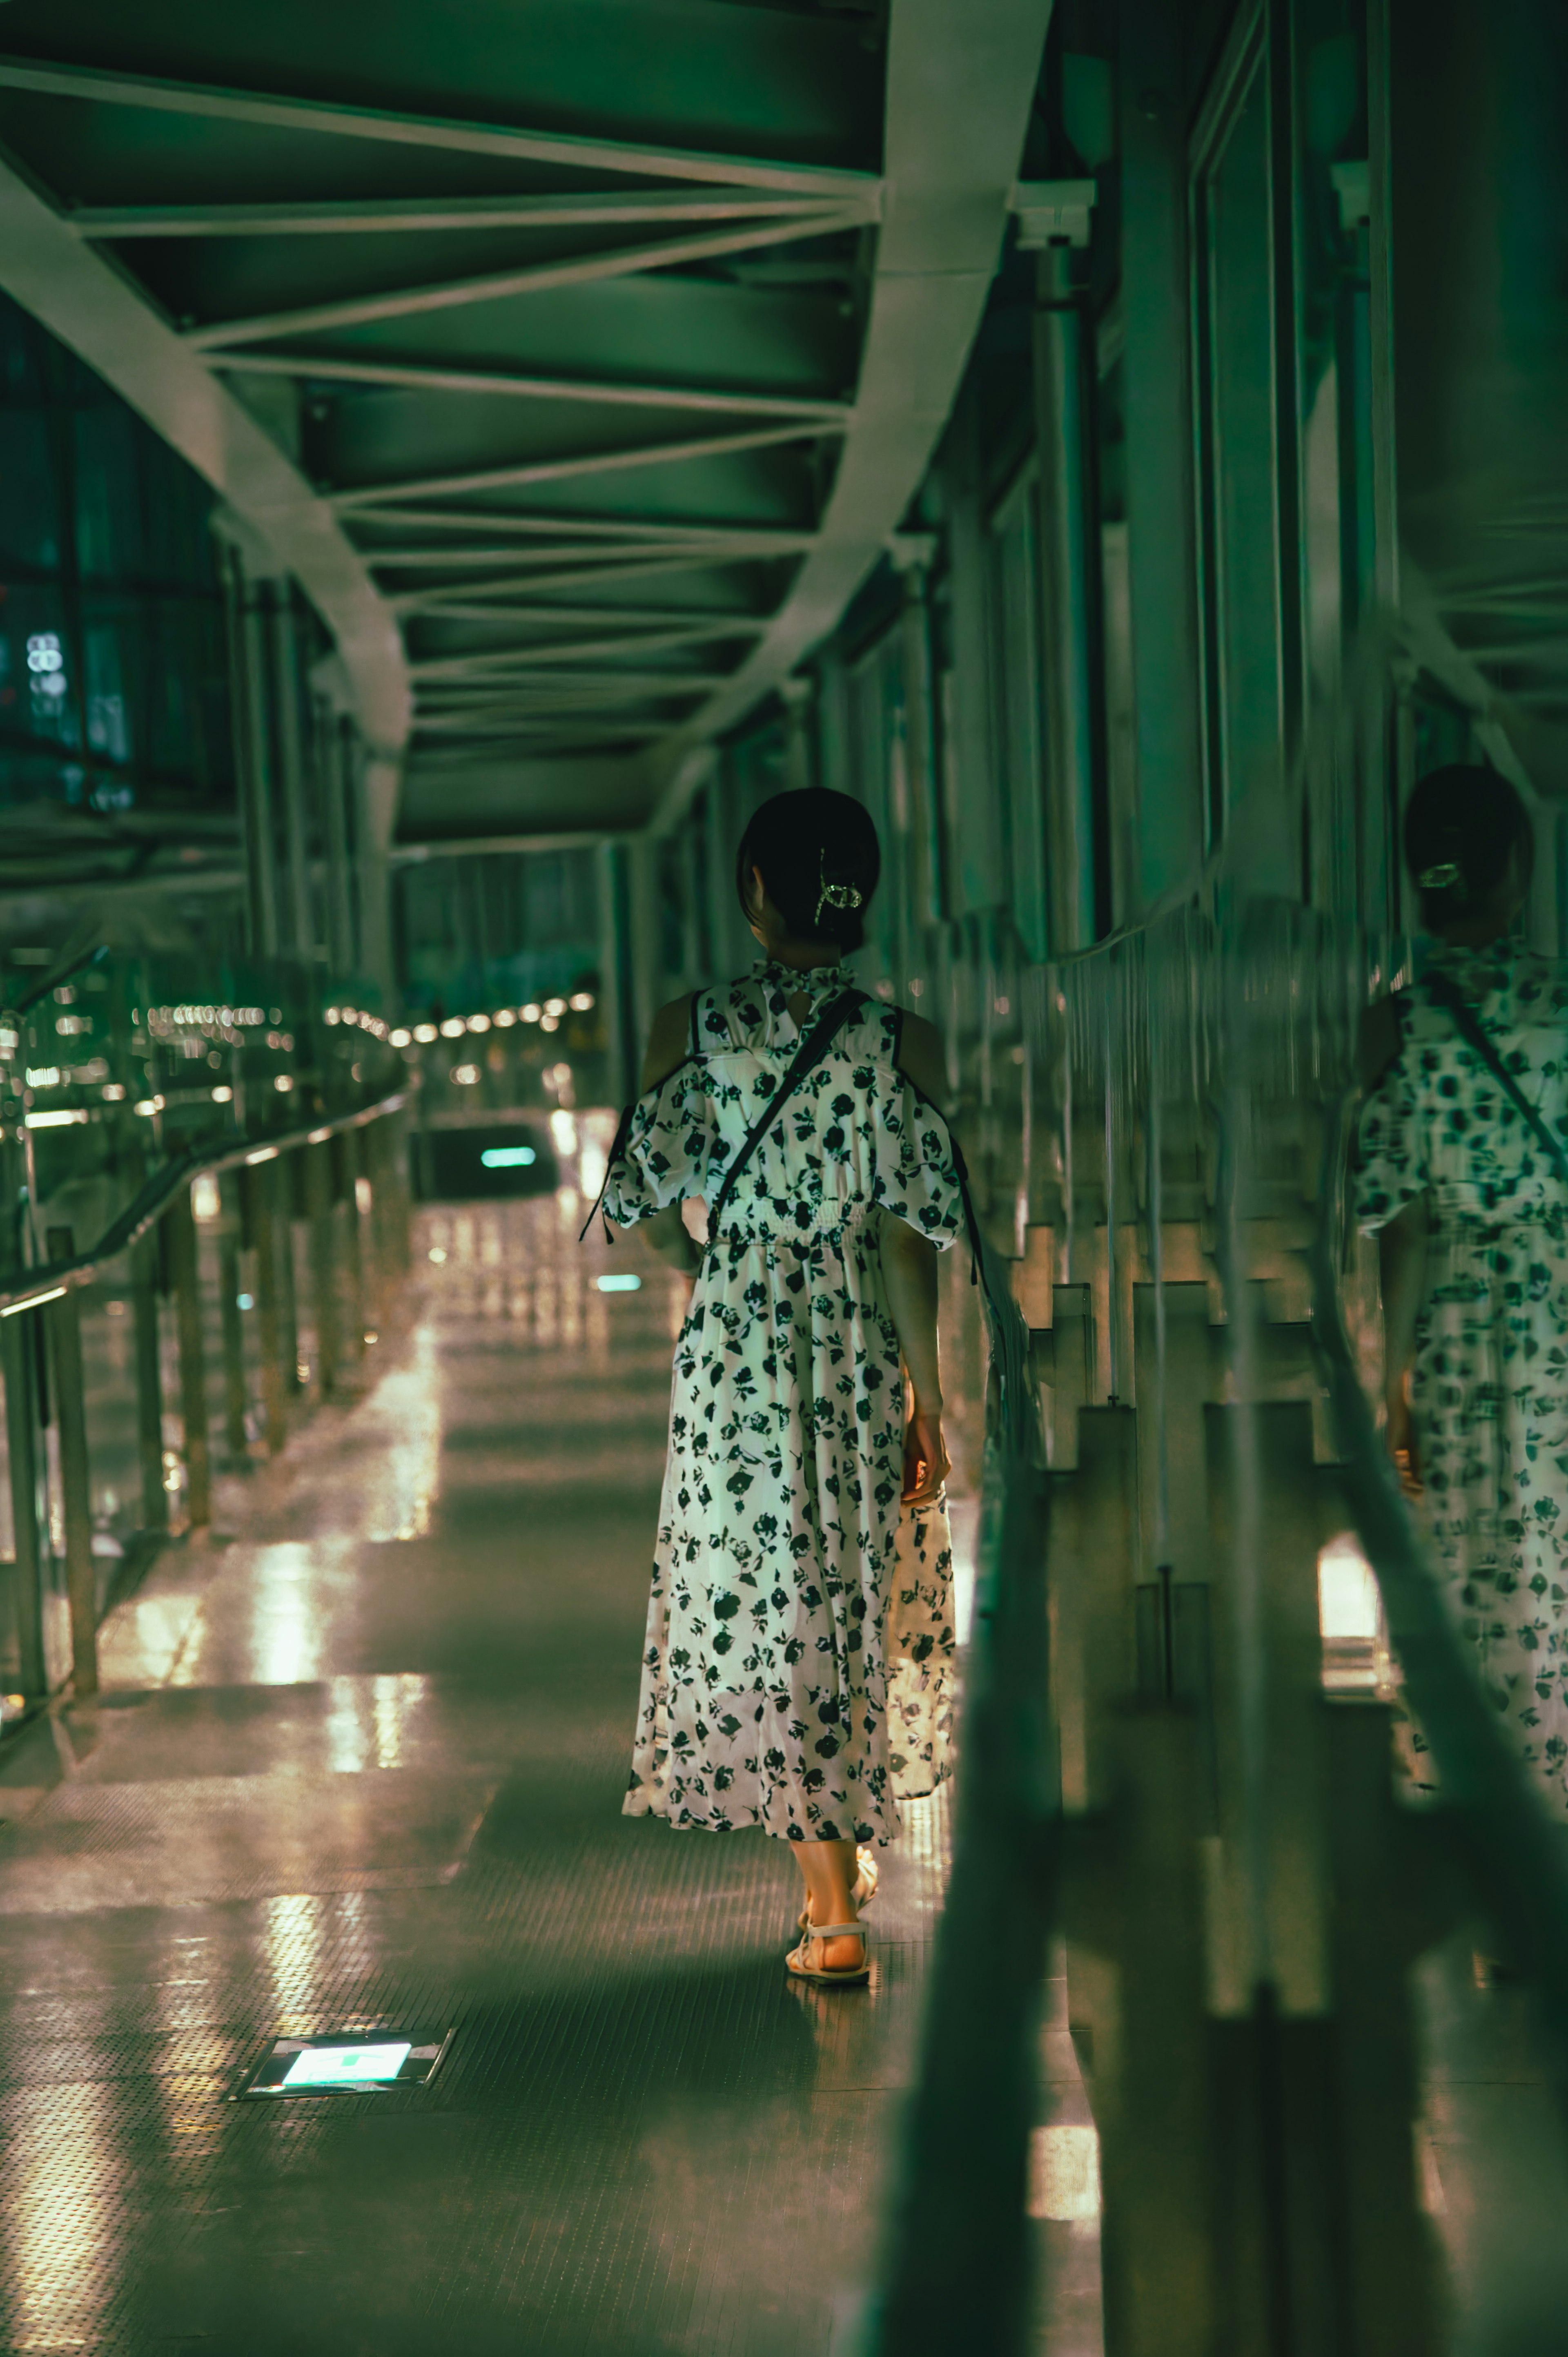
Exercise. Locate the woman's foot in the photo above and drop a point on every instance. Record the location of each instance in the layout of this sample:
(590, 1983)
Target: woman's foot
(844, 1957)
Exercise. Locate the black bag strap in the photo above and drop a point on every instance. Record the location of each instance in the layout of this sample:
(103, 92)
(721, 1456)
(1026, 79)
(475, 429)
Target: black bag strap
(1440, 988)
(809, 1053)
(617, 1152)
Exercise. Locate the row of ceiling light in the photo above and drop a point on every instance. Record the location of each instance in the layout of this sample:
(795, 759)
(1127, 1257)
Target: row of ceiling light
(546, 1013)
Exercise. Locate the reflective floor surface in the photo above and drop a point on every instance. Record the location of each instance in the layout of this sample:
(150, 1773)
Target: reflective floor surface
(359, 1763)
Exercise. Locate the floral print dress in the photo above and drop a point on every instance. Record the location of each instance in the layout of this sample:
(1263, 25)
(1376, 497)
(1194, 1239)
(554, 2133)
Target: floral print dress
(798, 1658)
(1489, 1389)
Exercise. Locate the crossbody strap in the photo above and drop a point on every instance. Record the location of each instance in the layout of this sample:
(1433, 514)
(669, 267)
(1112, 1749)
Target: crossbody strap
(812, 1048)
(1440, 988)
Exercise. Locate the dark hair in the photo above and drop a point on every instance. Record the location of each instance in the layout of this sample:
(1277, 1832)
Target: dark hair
(820, 860)
(1461, 823)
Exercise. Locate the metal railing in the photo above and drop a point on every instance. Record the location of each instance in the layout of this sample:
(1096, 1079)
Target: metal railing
(956, 2271)
(351, 1159)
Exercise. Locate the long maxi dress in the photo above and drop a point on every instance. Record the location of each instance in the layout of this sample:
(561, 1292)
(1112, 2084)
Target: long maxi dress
(796, 1673)
(1490, 1388)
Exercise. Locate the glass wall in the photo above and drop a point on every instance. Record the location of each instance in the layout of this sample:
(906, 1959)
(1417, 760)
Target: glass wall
(114, 694)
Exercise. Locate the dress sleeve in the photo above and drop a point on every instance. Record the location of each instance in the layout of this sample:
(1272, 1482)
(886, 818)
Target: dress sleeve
(667, 1148)
(915, 1174)
(1392, 1164)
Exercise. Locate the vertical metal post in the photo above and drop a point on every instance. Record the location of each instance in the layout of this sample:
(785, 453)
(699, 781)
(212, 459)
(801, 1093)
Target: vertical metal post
(257, 1184)
(284, 1187)
(379, 1165)
(323, 1258)
(149, 1381)
(334, 767)
(1157, 408)
(231, 1325)
(246, 601)
(922, 750)
(185, 1265)
(403, 1205)
(22, 1449)
(1380, 147)
(75, 1473)
(345, 1152)
(291, 774)
(796, 695)
(1068, 592)
(351, 801)
(979, 879)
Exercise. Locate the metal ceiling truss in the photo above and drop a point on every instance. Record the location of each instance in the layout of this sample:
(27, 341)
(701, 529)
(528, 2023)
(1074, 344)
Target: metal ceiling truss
(426, 455)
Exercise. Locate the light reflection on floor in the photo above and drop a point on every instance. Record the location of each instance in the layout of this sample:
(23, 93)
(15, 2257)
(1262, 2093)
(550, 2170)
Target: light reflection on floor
(360, 1755)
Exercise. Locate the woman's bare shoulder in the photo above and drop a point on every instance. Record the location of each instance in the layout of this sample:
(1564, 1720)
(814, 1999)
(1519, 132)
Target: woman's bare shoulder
(667, 1037)
(922, 1058)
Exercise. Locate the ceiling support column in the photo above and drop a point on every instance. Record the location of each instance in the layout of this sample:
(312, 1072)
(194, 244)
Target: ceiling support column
(1069, 595)
(246, 619)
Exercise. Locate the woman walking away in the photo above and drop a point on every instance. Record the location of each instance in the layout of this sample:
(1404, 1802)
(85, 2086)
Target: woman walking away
(803, 1114)
(1462, 1173)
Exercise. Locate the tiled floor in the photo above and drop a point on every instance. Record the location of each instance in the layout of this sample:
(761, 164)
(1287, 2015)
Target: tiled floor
(359, 1763)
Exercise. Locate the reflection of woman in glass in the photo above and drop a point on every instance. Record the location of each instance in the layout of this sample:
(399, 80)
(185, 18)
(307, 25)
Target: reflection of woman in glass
(800, 1641)
(1461, 1177)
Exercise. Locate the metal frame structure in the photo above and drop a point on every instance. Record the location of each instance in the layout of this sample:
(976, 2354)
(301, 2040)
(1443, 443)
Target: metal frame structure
(755, 482)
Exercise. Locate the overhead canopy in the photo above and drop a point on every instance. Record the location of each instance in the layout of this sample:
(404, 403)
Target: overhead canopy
(580, 361)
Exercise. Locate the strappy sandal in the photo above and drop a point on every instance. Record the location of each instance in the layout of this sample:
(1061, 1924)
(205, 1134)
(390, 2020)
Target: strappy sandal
(798, 1965)
(863, 1894)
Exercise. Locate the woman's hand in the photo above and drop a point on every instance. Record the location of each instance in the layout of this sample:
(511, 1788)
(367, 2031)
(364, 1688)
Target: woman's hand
(673, 1242)
(925, 1458)
(1402, 1449)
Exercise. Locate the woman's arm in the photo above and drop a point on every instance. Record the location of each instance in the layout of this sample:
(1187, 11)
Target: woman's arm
(909, 1276)
(1402, 1271)
(667, 1037)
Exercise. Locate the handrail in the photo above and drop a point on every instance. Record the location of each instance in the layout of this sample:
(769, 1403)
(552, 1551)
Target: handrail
(145, 1209)
(957, 2268)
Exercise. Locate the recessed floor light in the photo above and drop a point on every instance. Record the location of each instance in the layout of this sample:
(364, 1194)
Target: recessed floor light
(369, 2064)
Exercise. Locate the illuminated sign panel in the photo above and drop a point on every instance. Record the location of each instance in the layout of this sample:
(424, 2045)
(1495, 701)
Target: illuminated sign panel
(369, 2064)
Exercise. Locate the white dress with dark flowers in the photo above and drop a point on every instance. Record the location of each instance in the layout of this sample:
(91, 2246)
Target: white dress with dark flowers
(798, 1665)
(1490, 1390)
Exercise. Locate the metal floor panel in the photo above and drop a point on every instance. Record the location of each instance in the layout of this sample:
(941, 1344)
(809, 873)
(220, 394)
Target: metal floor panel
(360, 1764)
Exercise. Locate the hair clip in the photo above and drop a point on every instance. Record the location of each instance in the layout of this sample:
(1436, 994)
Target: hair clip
(1438, 880)
(834, 895)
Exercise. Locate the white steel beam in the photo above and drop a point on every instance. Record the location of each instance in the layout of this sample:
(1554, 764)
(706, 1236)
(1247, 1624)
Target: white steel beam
(961, 85)
(590, 555)
(640, 620)
(494, 286)
(454, 695)
(559, 471)
(51, 80)
(330, 369)
(588, 528)
(469, 593)
(403, 215)
(498, 662)
(541, 707)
